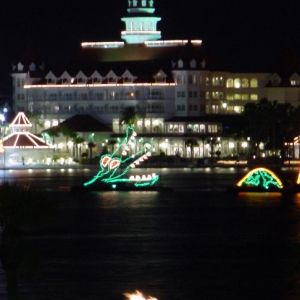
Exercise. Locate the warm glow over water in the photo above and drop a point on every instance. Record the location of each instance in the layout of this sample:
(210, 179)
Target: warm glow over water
(137, 296)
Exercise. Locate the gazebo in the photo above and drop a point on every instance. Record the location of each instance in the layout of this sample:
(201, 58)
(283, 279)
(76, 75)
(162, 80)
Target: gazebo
(23, 146)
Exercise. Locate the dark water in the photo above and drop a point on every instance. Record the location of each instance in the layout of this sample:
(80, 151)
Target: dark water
(180, 245)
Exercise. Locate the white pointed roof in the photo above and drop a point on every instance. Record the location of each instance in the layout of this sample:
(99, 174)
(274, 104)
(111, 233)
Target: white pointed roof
(21, 121)
(21, 137)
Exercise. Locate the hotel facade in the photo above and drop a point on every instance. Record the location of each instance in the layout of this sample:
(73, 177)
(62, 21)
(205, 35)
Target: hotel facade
(178, 90)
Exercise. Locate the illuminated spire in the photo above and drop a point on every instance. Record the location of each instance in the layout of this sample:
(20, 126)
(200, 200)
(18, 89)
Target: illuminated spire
(141, 23)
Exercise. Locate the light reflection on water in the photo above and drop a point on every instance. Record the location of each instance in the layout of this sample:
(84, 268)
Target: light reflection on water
(261, 199)
(181, 245)
(114, 199)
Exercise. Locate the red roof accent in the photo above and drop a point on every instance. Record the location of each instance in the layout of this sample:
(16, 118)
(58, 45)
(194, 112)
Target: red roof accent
(25, 140)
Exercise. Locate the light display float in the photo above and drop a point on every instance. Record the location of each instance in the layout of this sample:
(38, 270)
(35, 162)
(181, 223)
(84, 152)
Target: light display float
(261, 178)
(114, 169)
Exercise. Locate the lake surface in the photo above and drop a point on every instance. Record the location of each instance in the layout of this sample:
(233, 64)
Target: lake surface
(193, 243)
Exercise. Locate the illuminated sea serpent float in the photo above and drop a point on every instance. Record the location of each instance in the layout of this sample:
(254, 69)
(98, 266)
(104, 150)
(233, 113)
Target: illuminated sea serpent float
(259, 179)
(114, 169)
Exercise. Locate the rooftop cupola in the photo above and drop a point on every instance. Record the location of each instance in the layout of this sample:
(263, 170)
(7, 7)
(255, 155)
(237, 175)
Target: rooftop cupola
(138, 6)
(140, 23)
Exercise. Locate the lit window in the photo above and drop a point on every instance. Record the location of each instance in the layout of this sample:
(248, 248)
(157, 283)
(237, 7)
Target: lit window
(253, 97)
(245, 83)
(207, 81)
(212, 128)
(229, 83)
(253, 83)
(237, 83)
(295, 82)
(214, 109)
(216, 81)
(245, 97)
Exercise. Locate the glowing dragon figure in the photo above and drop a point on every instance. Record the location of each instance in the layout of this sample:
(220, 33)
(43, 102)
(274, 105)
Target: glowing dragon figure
(113, 169)
(261, 177)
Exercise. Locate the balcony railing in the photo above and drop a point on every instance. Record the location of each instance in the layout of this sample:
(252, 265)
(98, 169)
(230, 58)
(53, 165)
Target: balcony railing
(96, 99)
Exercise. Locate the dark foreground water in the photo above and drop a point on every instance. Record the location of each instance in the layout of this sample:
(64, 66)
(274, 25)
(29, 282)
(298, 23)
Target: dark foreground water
(180, 245)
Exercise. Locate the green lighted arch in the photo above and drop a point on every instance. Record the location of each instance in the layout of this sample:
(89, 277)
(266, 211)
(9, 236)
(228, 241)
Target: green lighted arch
(261, 177)
(113, 169)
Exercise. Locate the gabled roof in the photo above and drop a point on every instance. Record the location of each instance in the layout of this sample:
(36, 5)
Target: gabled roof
(84, 123)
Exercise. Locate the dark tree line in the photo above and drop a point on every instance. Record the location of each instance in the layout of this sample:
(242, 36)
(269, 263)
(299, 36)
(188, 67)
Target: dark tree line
(271, 123)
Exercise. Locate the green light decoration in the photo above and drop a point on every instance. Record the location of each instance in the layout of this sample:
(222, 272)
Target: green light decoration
(261, 177)
(113, 169)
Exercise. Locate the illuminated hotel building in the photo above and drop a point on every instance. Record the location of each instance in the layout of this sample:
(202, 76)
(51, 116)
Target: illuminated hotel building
(174, 85)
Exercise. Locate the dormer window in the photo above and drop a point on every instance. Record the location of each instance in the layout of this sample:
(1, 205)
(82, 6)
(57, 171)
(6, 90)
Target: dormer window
(180, 64)
(96, 77)
(160, 76)
(160, 79)
(112, 79)
(295, 80)
(193, 64)
(96, 80)
(20, 67)
(65, 77)
(127, 79)
(80, 77)
(50, 80)
(32, 67)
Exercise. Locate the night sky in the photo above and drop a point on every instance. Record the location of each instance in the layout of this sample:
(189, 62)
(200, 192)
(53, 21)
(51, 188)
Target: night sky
(244, 36)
